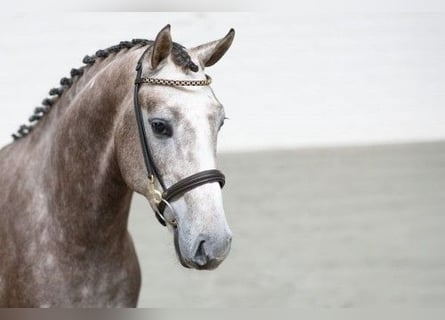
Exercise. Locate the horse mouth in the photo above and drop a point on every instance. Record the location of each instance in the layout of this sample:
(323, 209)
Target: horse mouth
(178, 251)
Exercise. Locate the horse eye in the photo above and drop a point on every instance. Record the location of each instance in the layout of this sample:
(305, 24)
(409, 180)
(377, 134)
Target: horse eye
(161, 128)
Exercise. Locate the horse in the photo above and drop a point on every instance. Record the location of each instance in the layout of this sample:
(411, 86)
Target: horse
(140, 117)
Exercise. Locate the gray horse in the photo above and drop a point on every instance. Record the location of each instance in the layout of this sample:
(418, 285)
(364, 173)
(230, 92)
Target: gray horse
(68, 179)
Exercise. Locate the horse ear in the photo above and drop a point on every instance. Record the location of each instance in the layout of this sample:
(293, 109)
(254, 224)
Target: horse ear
(211, 52)
(162, 47)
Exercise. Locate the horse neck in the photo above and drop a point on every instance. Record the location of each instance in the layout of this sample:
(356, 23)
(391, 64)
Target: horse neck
(85, 189)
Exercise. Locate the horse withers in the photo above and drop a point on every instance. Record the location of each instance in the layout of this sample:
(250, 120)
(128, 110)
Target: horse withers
(110, 130)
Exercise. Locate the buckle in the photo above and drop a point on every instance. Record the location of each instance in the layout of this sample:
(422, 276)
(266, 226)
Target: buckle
(155, 198)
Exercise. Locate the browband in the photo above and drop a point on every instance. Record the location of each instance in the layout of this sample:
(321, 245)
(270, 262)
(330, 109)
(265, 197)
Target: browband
(175, 83)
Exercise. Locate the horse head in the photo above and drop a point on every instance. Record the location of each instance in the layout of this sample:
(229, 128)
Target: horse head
(180, 118)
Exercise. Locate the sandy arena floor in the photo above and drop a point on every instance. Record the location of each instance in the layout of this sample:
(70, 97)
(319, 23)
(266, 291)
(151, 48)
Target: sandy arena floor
(323, 227)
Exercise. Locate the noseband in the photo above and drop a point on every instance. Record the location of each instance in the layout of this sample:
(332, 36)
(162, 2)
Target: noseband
(160, 199)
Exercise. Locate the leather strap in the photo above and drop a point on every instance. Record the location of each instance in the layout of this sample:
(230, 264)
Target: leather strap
(148, 159)
(190, 183)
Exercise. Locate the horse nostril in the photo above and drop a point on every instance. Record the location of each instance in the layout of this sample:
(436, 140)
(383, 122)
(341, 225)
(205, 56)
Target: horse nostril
(200, 257)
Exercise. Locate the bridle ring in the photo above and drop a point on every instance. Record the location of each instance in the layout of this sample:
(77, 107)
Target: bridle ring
(162, 217)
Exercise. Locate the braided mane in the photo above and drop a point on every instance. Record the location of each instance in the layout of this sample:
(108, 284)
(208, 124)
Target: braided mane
(179, 55)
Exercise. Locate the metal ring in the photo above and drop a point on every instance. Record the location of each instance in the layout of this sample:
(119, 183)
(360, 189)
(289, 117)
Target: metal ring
(161, 216)
(173, 222)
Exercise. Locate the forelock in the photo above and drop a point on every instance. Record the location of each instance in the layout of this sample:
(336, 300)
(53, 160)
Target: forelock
(182, 59)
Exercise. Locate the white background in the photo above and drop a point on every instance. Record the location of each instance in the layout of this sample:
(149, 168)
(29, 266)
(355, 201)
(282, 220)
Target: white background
(306, 79)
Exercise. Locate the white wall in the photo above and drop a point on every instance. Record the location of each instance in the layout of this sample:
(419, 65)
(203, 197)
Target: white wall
(288, 81)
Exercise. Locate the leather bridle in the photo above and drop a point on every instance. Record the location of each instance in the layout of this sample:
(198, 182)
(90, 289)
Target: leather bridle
(159, 200)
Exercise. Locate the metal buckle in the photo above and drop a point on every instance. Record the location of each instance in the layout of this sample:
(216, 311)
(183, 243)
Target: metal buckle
(155, 198)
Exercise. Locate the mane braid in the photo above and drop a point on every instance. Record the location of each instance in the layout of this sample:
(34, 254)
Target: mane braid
(180, 58)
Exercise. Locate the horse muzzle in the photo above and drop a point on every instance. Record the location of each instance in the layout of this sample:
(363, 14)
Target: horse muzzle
(206, 253)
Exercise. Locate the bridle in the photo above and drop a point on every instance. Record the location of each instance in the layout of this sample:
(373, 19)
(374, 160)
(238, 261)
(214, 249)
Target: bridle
(160, 199)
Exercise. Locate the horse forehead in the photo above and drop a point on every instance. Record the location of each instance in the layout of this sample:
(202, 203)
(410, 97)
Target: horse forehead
(195, 101)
